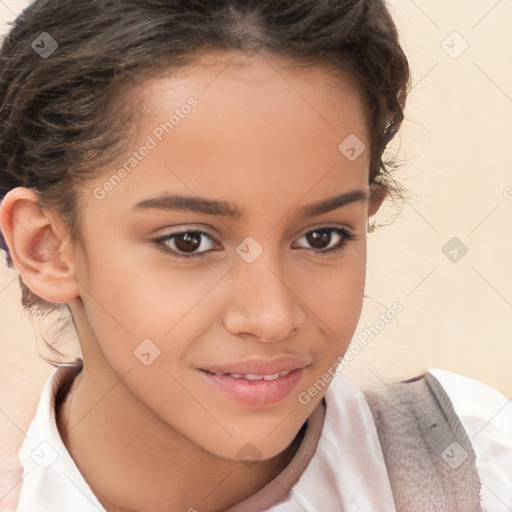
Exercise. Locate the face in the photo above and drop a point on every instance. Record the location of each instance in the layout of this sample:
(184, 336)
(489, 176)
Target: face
(205, 265)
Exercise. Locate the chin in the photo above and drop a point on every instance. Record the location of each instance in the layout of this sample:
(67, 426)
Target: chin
(253, 448)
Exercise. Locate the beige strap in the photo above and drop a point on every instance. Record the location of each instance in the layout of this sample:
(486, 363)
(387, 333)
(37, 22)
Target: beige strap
(429, 457)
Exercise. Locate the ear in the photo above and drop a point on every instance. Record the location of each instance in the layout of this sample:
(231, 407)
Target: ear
(38, 245)
(377, 196)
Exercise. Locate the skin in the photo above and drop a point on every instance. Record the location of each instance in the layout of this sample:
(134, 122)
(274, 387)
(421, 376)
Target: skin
(265, 136)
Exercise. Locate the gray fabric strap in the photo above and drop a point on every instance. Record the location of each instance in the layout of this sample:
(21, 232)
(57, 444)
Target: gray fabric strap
(429, 457)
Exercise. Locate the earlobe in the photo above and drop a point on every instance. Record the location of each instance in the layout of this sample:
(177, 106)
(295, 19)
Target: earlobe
(36, 242)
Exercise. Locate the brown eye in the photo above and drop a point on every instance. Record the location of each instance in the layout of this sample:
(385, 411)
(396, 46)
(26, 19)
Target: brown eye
(188, 242)
(320, 239)
(184, 244)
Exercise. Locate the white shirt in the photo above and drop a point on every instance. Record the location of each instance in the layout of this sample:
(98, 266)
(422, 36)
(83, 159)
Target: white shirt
(52, 481)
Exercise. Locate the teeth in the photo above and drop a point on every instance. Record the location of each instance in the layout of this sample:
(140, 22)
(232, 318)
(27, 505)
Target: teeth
(251, 376)
(271, 377)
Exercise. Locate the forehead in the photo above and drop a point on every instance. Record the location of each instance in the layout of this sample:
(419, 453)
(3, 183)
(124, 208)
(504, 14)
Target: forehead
(225, 79)
(261, 126)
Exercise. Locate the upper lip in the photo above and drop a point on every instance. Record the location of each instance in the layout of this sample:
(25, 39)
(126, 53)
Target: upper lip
(259, 366)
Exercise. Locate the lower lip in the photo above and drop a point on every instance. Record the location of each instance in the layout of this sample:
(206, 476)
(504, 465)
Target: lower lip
(256, 392)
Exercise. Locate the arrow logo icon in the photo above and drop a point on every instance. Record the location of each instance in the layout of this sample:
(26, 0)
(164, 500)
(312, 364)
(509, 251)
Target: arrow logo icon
(352, 147)
(146, 352)
(44, 45)
(454, 249)
(44, 454)
(454, 45)
(454, 455)
(249, 249)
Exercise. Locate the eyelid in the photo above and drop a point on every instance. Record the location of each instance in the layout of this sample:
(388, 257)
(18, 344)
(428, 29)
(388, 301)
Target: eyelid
(182, 228)
(332, 225)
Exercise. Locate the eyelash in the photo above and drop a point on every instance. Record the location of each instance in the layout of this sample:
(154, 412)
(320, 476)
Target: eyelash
(346, 238)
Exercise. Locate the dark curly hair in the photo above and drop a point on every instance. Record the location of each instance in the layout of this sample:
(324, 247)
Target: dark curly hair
(59, 121)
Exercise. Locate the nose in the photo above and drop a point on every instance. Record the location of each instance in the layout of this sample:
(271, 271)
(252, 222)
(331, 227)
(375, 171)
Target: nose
(263, 305)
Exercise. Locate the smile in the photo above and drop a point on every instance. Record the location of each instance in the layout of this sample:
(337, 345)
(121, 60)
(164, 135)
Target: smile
(255, 390)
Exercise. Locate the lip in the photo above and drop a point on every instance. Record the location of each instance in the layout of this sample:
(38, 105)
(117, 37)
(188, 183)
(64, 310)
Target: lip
(255, 393)
(259, 366)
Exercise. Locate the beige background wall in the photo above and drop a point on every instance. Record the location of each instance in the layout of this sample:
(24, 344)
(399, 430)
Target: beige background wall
(456, 144)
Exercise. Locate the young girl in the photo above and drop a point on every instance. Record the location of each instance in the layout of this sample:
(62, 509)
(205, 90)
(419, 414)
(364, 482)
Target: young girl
(194, 182)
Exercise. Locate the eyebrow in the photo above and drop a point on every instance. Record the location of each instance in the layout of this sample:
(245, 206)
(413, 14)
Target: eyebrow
(176, 202)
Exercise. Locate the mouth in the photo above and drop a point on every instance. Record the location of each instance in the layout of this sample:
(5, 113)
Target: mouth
(253, 389)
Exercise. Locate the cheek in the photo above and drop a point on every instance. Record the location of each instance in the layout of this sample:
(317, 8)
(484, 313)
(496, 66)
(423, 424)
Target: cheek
(334, 297)
(128, 301)
(144, 318)
(336, 292)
